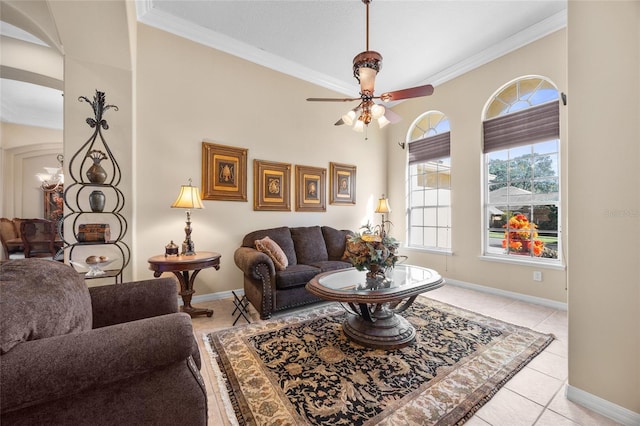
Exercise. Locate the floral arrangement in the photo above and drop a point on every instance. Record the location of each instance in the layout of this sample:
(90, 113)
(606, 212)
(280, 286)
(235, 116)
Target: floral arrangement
(372, 250)
(520, 234)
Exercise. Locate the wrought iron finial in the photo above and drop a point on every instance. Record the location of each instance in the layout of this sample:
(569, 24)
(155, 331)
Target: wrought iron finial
(99, 107)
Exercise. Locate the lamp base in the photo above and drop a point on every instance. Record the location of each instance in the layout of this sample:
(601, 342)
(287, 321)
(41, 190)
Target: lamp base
(188, 248)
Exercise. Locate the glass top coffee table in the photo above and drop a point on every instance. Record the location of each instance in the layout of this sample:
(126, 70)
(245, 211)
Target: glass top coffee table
(373, 305)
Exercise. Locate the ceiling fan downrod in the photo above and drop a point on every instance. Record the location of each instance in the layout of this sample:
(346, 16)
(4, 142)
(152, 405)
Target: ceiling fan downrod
(367, 64)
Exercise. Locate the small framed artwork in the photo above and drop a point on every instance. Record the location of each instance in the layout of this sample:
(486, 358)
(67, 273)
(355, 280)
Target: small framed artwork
(224, 172)
(53, 204)
(310, 189)
(343, 184)
(272, 183)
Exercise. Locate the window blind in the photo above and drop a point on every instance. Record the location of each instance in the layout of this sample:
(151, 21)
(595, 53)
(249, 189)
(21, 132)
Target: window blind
(535, 124)
(430, 148)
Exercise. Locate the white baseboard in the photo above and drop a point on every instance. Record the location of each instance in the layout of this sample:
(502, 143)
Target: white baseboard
(213, 296)
(602, 406)
(510, 294)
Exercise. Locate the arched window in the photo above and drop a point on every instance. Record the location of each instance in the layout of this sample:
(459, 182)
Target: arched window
(521, 145)
(429, 200)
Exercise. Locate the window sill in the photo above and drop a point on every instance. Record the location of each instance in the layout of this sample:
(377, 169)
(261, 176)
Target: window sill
(444, 252)
(525, 262)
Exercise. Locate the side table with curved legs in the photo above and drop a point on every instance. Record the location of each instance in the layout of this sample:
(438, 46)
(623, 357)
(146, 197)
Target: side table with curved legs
(181, 266)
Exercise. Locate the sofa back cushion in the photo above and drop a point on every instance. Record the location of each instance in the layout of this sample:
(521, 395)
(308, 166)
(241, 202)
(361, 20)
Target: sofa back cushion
(282, 237)
(41, 298)
(309, 244)
(335, 240)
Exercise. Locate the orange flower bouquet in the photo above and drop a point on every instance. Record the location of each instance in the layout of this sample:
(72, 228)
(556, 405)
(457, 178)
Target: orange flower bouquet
(521, 236)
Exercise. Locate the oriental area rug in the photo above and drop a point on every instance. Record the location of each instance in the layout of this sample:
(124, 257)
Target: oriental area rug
(301, 369)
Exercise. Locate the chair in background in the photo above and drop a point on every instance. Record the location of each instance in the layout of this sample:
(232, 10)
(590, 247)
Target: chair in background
(39, 238)
(10, 237)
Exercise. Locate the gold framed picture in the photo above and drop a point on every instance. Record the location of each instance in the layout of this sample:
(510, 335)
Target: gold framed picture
(311, 189)
(272, 186)
(54, 204)
(343, 184)
(224, 172)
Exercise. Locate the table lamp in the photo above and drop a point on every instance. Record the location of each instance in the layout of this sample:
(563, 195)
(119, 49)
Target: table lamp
(383, 207)
(189, 198)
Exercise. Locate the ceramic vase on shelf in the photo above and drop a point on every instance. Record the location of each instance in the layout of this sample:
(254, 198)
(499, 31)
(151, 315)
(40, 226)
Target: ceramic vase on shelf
(96, 201)
(96, 173)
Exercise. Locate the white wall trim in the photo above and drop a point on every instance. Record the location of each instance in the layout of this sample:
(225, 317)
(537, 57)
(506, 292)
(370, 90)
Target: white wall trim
(214, 296)
(510, 294)
(602, 406)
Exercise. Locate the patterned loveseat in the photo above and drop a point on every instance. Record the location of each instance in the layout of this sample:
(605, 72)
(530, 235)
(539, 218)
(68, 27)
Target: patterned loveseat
(277, 263)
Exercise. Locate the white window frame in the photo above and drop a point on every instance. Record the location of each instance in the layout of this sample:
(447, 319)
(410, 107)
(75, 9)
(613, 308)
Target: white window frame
(441, 164)
(486, 225)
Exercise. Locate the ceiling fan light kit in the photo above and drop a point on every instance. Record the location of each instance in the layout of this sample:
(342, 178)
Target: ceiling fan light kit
(366, 66)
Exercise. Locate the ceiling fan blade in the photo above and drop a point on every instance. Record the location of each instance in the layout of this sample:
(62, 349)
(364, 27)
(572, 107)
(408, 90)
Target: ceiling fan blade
(392, 116)
(339, 122)
(414, 92)
(332, 99)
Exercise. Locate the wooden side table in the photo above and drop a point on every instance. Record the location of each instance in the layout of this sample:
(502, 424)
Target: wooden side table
(181, 266)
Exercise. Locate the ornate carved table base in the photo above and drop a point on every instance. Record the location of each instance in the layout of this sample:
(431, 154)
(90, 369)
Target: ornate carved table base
(373, 319)
(379, 326)
(180, 266)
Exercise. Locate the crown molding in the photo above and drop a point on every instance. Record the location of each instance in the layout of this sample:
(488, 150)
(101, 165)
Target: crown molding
(535, 32)
(178, 26)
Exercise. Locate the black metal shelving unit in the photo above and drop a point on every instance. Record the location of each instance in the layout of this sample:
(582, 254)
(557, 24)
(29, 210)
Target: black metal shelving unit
(83, 183)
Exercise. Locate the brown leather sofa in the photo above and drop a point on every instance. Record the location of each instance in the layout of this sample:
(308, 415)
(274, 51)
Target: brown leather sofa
(309, 251)
(116, 354)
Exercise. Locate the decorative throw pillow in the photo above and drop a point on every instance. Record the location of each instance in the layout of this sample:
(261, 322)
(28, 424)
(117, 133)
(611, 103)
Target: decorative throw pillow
(273, 250)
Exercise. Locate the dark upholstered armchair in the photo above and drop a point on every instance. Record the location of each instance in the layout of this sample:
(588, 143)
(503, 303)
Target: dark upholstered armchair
(117, 354)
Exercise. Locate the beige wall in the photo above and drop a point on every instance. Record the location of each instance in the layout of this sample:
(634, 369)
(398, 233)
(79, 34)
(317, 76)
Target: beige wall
(25, 150)
(463, 100)
(188, 93)
(604, 214)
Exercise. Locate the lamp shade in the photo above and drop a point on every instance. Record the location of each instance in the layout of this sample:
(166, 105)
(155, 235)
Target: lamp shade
(189, 198)
(383, 206)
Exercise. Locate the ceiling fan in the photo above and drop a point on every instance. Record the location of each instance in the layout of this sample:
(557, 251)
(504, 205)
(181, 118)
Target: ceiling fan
(365, 67)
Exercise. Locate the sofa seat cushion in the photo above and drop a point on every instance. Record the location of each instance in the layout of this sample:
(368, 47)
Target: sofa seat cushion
(331, 265)
(295, 276)
(309, 244)
(282, 237)
(41, 298)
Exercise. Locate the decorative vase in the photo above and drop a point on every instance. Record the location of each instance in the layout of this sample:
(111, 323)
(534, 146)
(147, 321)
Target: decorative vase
(375, 271)
(96, 201)
(96, 174)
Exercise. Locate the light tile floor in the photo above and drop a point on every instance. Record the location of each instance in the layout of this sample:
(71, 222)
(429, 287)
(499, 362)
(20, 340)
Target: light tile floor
(534, 396)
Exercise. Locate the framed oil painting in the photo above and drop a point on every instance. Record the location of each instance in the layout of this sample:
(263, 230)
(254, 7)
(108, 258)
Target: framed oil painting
(54, 204)
(311, 189)
(343, 184)
(272, 186)
(224, 172)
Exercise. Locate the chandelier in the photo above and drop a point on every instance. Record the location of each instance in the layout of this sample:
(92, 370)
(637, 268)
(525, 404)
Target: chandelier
(53, 179)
